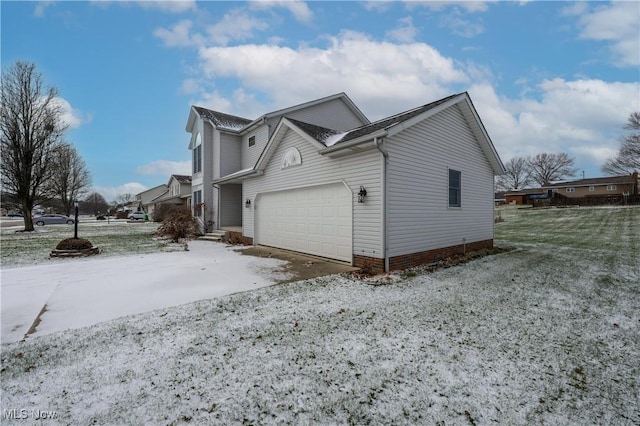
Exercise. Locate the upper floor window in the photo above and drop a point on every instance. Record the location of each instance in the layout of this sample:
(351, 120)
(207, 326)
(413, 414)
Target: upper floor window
(197, 155)
(571, 189)
(455, 188)
(252, 141)
(611, 187)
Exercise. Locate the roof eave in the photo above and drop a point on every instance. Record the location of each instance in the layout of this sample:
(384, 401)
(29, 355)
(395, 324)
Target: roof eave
(237, 177)
(350, 144)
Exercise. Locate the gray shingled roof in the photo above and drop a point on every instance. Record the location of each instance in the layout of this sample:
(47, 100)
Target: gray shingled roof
(222, 120)
(394, 119)
(321, 134)
(317, 132)
(182, 178)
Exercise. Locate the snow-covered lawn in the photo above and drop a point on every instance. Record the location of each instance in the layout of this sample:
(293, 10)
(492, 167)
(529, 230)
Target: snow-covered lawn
(548, 333)
(115, 238)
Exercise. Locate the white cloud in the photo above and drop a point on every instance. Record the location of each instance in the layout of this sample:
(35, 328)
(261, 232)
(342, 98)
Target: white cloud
(165, 168)
(583, 118)
(111, 193)
(461, 27)
(619, 24)
(41, 7)
(298, 9)
(370, 70)
(406, 32)
(178, 35)
(377, 5)
(468, 6)
(69, 115)
(171, 6)
(235, 25)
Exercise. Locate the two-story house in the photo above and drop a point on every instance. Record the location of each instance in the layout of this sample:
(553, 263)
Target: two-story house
(320, 178)
(225, 146)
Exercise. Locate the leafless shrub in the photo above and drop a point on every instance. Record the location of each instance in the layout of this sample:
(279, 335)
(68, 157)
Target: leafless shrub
(178, 224)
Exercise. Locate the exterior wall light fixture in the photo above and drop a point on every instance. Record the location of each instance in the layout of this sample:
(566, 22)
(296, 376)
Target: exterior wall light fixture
(247, 203)
(362, 194)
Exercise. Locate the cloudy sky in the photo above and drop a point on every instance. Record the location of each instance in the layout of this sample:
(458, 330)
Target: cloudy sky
(544, 76)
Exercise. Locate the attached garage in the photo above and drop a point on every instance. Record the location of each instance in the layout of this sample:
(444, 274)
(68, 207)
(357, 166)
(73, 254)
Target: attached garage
(316, 220)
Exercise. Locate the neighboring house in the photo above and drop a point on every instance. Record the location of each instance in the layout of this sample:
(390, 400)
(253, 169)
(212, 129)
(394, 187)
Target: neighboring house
(591, 191)
(525, 196)
(611, 186)
(146, 198)
(323, 180)
(177, 193)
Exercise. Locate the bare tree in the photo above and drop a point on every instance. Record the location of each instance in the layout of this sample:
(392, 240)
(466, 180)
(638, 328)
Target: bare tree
(126, 198)
(31, 129)
(96, 203)
(628, 158)
(545, 168)
(70, 177)
(517, 175)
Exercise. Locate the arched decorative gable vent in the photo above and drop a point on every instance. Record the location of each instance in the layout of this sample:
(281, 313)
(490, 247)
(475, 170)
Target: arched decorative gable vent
(291, 157)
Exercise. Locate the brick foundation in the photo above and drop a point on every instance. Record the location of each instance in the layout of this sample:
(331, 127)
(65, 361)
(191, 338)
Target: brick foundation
(430, 256)
(375, 264)
(235, 237)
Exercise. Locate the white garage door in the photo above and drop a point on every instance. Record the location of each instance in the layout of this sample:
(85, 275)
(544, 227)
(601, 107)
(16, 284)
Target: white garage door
(314, 220)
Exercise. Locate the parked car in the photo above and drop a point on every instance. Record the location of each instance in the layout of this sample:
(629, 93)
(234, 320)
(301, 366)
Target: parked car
(14, 215)
(52, 219)
(136, 215)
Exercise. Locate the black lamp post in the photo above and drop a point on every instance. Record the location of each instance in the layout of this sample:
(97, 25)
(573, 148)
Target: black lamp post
(75, 233)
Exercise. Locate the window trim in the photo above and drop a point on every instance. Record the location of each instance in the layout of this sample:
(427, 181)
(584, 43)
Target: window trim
(196, 158)
(458, 201)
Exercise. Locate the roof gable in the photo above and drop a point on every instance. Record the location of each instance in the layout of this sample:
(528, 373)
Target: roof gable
(309, 132)
(397, 123)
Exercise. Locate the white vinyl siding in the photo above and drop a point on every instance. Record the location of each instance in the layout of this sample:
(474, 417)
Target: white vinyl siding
(332, 115)
(230, 152)
(250, 155)
(355, 170)
(231, 205)
(418, 186)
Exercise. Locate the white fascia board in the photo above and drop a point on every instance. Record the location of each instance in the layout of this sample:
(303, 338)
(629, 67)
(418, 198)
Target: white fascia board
(485, 141)
(191, 120)
(241, 175)
(366, 138)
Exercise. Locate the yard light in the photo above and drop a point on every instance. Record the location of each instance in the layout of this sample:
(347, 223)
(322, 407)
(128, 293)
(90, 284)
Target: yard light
(362, 194)
(75, 223)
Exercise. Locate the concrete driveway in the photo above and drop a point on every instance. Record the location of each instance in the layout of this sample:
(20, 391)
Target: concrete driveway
(44, 299)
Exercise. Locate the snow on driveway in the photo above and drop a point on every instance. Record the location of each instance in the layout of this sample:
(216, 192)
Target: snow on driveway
(83, 292)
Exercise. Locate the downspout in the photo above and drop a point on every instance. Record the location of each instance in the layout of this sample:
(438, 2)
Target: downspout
(217, 212)
(385, 214)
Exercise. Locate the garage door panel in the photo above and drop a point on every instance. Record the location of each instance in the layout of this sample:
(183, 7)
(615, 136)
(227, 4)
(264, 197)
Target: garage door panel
(314, 220)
